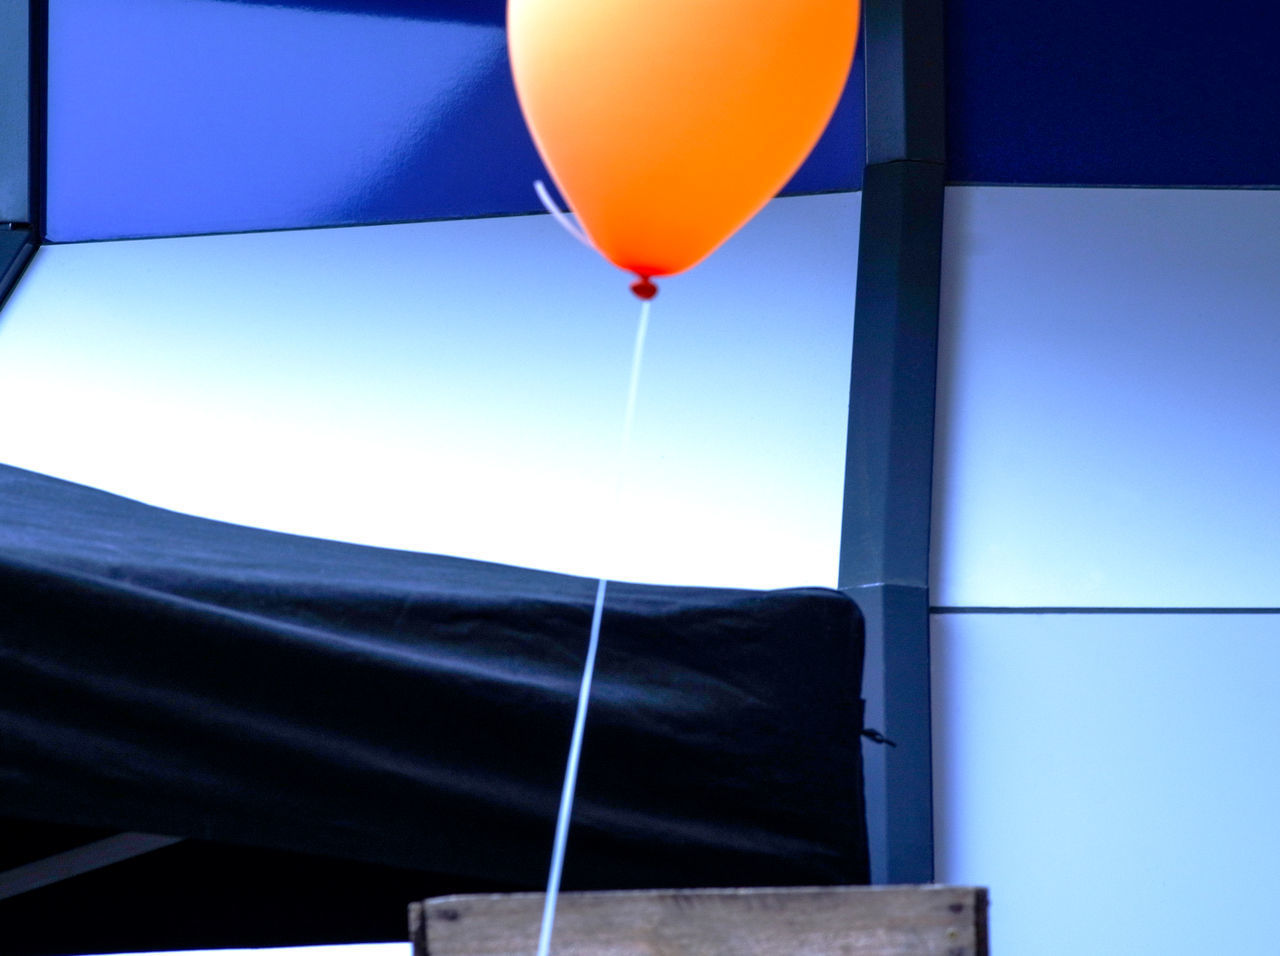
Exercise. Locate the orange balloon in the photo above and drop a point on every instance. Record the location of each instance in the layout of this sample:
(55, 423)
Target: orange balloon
(667, 124)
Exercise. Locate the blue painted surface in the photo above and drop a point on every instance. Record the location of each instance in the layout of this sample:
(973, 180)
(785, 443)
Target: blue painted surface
(190, 116)
(1113, 92)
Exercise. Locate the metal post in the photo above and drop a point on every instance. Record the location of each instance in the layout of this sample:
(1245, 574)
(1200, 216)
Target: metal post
(884, 550)
(22, 59)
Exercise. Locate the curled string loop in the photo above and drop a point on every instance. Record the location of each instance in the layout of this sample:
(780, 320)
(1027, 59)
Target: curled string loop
(544, 196)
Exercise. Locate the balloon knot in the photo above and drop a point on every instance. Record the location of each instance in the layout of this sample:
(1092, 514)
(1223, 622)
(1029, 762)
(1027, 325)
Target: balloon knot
(643, 288)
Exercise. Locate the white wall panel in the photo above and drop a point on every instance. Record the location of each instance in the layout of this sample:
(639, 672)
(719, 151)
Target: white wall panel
(1114, 779)
(455, 387)
(1109, 399)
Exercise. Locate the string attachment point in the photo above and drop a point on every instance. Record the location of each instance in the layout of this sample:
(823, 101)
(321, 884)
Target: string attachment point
(544, 197)
(644, 289)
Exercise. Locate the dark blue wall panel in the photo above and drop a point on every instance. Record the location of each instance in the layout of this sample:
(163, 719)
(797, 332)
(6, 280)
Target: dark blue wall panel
(190, 116)
(1114, 92)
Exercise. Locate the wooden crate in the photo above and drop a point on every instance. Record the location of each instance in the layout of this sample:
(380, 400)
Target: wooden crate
(840, 921)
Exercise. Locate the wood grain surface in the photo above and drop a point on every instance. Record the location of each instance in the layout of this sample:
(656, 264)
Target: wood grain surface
(841, 921)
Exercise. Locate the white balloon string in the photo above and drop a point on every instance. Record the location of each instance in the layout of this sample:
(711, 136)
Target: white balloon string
(588, 668)
(550, 205)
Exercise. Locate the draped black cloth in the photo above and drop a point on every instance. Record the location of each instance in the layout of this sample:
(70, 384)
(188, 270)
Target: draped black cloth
(169, 674)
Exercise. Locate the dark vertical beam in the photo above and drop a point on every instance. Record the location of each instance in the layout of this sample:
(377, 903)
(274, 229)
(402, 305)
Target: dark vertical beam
(15, 97)
(39, 113)
(39, 123)
(884, 549)
(22, 59)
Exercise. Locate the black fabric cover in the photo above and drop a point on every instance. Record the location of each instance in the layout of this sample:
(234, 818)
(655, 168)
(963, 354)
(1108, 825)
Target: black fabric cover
(169, 674)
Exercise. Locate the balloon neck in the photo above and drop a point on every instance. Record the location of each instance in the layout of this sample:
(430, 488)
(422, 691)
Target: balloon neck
(644, 289)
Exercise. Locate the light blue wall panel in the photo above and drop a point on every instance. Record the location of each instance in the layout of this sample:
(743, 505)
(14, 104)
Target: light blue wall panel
(455, 387)
(1114, 779)
(1109, 402)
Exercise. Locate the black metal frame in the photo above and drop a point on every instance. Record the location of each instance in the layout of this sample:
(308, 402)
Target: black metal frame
(17, 245)
(38, 26)
(884, 548)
